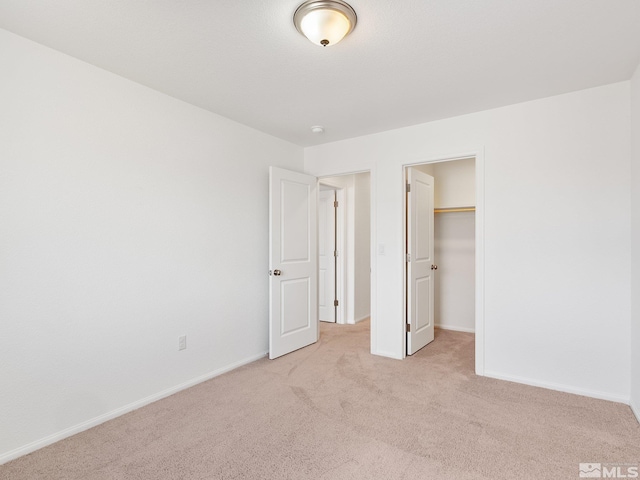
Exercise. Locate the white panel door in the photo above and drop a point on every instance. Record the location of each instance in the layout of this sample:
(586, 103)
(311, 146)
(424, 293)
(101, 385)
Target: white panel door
(326, 255)
(293, 261)
(420, 264)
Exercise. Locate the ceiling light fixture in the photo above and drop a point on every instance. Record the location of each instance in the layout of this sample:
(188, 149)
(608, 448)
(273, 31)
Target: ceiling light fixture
(325, 22)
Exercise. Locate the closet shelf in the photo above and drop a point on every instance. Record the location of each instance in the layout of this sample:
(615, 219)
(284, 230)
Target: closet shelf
(454, 209)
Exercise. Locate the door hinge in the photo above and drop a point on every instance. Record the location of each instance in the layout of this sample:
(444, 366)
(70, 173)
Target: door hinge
(408, 188)
(335, 253)
(335, 303)
(335, 204)
(408, 257)
(408, 328)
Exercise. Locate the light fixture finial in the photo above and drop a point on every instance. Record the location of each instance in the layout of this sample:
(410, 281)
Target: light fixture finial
(325, 22)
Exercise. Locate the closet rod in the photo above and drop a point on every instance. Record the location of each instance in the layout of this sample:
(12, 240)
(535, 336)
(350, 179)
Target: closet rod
(454, 209)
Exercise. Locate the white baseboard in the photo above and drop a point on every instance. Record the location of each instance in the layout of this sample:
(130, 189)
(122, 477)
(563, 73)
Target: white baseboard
(635, 410)
(560, 388)
(363, 318)
(68, 432)
(456, 329)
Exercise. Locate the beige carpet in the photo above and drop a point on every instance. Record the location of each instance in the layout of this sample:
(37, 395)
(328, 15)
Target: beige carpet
(333, 411)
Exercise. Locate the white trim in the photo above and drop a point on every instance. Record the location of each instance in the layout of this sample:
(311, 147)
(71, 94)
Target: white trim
(362, 318)
(636, 411)
(455, 329)
(479, 284)
(68, 432)
(373, 333)
(559, 387)
(478, 154)
(403, 261)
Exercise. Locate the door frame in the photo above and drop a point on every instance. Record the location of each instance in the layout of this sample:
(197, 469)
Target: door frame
(478, 155)
(341, 246)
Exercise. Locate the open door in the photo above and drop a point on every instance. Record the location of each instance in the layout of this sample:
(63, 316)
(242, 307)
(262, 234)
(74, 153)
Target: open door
(293, 261)
(327, 255)
(420, 264)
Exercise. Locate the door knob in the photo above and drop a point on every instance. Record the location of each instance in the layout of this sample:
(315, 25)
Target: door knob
(434, 267)
(277, 273)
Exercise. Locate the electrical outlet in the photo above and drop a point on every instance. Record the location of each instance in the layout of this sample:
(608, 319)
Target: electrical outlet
(182, 342)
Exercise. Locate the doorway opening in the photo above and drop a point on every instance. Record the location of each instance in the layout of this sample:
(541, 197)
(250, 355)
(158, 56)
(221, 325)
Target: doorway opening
(344, 248)
(440, 232)
(293, 258)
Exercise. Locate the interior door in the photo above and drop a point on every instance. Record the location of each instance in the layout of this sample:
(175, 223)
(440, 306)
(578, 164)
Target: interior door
(293, 261)
(326, 255)
(420, 264)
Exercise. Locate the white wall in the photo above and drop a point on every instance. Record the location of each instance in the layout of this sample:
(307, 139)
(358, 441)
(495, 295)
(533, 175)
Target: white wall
(556, 233)
(362, 239)
(635, 242)
(455, 182)
(127, 218)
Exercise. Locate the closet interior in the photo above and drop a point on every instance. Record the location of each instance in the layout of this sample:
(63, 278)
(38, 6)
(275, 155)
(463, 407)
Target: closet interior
(454, 241)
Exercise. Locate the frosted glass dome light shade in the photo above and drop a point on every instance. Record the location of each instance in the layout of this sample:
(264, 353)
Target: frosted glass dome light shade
(325, 22)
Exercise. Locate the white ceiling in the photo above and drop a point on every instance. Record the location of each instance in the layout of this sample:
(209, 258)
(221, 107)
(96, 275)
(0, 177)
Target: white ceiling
(407, 62)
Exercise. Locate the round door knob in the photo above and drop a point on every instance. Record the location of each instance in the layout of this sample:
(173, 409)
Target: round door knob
(277, 273)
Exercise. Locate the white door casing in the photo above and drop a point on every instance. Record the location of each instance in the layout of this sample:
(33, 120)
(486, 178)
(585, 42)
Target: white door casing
(293, 261)
(326, 255)
(420, 262)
